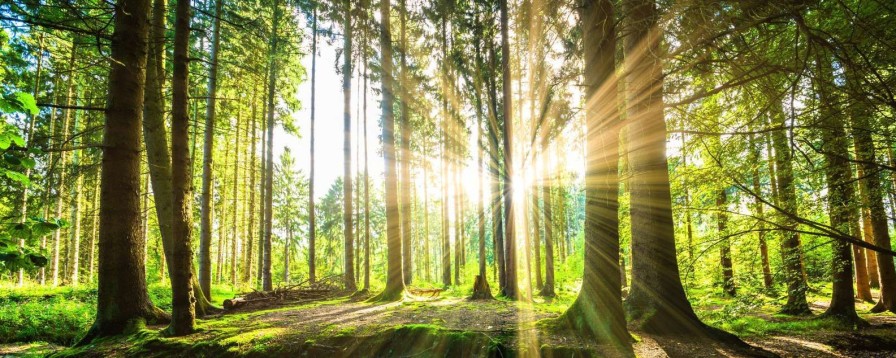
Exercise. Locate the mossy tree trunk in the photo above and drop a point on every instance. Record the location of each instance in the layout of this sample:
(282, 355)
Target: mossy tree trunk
(182, 299)
(394, 278)
(122, 300)
(597, 311)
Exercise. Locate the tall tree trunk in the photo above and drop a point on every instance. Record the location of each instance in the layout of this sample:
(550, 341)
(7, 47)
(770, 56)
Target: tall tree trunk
(366, 187)
(445, 123)
(182, 299)
(547, 196)
(157, 152)
(122, 300)
(347, 227)
(267, 283)
(394, 278)
(312, 220)
(29, 137)
(597, 311)
(406, 162)
(264, 173)
(235, 208)
(205, 226)
(63, 163)
(767, 280)
(495, 172)
(48, 179)
(790, 245)
(94, 227)
(253, 188)
(74, 249)
(725, 245)
(872, 194)
(657, 302)
(840, 193)
(510, 287)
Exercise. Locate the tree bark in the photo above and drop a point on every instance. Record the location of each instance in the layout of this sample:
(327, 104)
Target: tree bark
(840, 193)
(657, 302)
(597, 311)
(267, 283)
(312, 220)
(510, 286)
(205, 226)
(157, 152)
(790, 245)
(122, 300)
(547, 196)
(872, 193)
(182, 299)
(406, 162)
(394, 277)
(348, 223)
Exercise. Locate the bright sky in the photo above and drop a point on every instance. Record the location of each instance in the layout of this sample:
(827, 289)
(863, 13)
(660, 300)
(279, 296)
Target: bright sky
(329, 122)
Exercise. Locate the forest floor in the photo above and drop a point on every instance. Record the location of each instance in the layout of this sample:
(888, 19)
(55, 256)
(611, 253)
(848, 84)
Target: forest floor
(453, 326)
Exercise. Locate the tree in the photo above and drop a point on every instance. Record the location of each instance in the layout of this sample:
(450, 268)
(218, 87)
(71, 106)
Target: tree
(657, 302)
(182, 299)
(312, 228)
(267, 283)
(597, 311)
(205, 227)
(394, 277)
(349, 270)
(122, 300)
(839, 180)
(510, 286)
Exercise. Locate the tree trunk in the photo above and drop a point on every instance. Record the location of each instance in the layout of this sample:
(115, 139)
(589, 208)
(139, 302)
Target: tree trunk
(759, 209)
(790, 245)
(394, 277)
(510, 287)
(29, 137)
(654, 262)
(872, 194)
(597, 311)
(267, 283)
(840, 193)
(347, 227)
(205, 226)
(157, 153)
(122, 300)
(181, 273)
(406, 162)
(547, 196)
(312, 220)
(235, 208)
(63, 164)
(725, 247)
(366, 188)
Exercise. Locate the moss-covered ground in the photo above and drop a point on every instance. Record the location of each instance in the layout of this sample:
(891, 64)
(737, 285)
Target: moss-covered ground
(452, 326)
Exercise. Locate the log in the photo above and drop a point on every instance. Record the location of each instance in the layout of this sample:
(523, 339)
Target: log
(234, 303)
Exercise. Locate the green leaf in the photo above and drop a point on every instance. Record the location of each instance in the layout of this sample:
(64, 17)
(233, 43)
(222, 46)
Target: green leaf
(28, 103)
(28, 163)
(5, 141)
(38, 260)
(19, 141)
(12, 159)
(19, 177)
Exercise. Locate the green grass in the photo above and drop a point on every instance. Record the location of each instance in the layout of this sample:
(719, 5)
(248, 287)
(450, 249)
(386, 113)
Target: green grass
(62, 315)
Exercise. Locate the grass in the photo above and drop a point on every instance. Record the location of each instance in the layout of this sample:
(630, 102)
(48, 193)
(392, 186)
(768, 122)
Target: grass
(61, 315)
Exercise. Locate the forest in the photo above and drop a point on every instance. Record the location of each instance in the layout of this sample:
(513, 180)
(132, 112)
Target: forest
(447, 178)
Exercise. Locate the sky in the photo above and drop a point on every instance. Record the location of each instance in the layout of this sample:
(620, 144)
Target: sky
(329, 122)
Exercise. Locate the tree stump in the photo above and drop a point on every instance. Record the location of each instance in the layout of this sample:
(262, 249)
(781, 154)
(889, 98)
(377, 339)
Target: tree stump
(481, 291)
